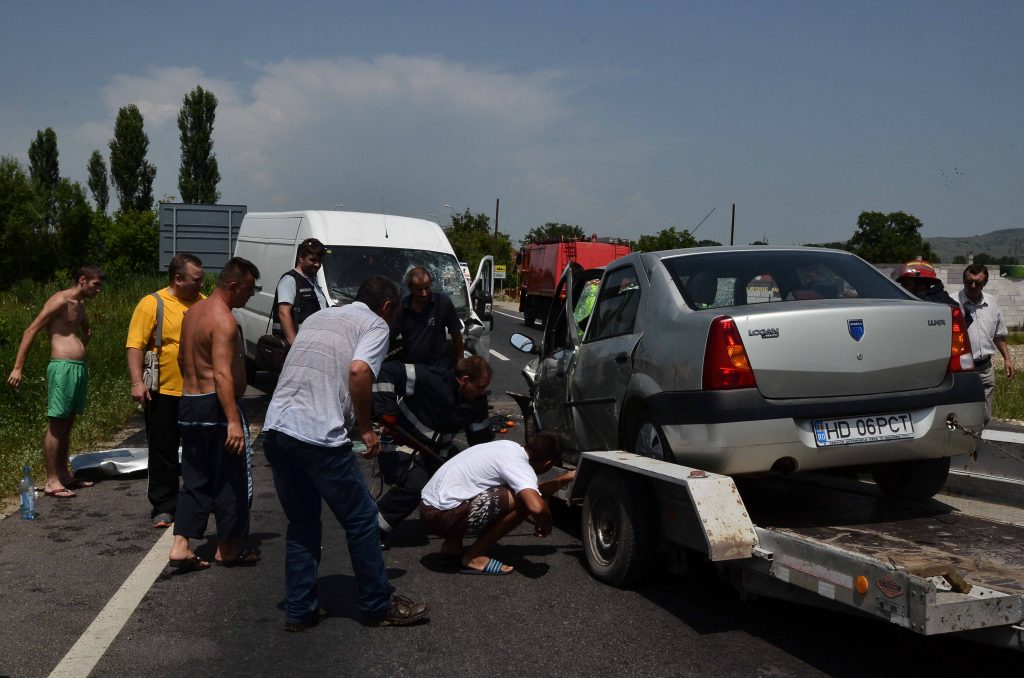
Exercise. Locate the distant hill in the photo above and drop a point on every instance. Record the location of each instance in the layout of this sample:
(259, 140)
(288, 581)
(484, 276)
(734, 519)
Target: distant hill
(1008, 242)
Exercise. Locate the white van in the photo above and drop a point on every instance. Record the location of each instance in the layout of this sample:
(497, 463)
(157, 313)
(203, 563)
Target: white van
(358, 245)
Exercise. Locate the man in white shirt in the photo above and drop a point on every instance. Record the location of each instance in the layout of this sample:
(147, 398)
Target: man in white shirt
(321, 401)
(987, 332)
(488, 490)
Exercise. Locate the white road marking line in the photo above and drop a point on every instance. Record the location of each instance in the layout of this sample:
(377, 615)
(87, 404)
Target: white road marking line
(498, 355)
(92, 645)
(509, 315)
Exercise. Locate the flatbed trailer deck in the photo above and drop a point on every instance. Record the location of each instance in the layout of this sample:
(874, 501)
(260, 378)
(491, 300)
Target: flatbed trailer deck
(932, 568)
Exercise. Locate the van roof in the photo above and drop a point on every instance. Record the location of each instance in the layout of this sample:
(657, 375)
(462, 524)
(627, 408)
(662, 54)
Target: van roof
(366, 229)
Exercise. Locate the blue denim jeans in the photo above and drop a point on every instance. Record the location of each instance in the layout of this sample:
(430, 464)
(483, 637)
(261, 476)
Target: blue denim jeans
(303, 475)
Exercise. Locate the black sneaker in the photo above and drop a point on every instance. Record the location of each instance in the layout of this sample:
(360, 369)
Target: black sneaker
(402, 611)
(319, 615)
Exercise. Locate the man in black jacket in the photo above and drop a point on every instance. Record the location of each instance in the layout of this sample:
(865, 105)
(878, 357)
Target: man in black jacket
(299, 295)
(918, 277)
(425, 407)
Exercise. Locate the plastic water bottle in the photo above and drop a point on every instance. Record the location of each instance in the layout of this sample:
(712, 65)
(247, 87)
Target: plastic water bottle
(28, 496)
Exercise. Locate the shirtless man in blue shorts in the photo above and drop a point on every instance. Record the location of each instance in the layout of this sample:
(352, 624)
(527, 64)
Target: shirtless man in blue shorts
(63, 315)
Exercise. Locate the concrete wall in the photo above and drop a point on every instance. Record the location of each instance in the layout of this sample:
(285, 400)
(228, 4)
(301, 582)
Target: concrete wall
(1009, 292)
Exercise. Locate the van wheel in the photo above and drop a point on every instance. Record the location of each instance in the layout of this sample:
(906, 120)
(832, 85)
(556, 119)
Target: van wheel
(917, 480)
(618, 528)
(250, 371)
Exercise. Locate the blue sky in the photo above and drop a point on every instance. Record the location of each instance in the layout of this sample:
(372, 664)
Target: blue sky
(624, 118)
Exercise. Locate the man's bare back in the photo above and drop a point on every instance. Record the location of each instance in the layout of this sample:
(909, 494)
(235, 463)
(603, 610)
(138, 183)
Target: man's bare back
(209, 339)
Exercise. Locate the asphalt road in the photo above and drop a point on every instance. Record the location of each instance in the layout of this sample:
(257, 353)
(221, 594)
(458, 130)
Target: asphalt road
(550, 619)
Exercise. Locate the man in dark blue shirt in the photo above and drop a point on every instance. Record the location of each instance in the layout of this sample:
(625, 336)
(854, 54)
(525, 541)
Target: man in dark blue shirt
(422, 320)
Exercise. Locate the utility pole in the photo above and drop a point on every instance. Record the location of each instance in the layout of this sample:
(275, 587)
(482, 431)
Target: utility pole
(497, 206)
(732, 229)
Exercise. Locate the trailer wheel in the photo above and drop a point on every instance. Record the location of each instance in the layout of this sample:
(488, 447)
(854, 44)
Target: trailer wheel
(618, 527)
(917, 480)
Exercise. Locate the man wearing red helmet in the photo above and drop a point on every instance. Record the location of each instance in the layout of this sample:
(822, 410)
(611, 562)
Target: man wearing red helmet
(918, 277)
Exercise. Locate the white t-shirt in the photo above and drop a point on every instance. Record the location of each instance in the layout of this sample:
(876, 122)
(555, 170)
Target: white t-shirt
(286, 290)
(479, 468)
(311, 402)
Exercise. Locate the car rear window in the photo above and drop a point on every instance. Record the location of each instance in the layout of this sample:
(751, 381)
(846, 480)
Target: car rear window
(723, 279)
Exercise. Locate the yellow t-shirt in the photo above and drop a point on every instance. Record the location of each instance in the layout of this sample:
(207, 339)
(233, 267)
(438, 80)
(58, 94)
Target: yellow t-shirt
(141, 333)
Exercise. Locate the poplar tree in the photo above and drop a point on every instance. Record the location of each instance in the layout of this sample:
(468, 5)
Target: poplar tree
(44, 168)
(130, 172)
(98, 182)
(198, 175)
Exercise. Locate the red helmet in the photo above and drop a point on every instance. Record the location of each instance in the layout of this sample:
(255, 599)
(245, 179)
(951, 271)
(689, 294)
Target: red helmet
(914, 269)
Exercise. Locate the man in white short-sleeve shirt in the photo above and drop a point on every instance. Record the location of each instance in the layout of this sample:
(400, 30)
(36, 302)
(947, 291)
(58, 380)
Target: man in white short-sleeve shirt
(488, 490)
(322, 399)
(987, 331)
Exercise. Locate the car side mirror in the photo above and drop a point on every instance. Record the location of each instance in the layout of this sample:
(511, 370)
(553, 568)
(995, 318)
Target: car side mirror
(523, 343)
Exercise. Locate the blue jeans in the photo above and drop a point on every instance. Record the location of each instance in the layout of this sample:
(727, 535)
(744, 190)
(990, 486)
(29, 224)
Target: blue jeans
(303, 475)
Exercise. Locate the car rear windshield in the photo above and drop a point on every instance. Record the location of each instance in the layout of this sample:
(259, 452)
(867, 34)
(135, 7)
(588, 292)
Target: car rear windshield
(346, 267)
(722, 279)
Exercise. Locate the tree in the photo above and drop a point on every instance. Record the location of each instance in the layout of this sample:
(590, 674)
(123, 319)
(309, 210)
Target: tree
(74, 227)
(130, 171)
(472, 239)
(887, 238)
(44, 168)
(23, 240)
(98, 181)
(708, 243)
(131, 241)
(553, 231)
(665, 239)
(198, 175)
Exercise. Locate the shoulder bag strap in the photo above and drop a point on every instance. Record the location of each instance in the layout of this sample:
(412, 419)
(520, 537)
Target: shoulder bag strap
(158, 333)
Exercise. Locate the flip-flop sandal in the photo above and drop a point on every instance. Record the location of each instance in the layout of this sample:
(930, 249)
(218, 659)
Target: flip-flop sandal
(493, 567)
(244, 557)
(62, 493)
(190, 564)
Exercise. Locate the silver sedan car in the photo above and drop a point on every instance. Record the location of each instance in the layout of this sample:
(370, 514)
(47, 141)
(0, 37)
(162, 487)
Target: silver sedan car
(747, 360)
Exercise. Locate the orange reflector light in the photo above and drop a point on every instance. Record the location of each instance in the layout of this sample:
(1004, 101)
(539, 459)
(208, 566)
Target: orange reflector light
(861, 584)
(960, 359)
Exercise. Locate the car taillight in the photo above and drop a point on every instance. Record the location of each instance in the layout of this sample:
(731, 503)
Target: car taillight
(960, 359)
(725, 360)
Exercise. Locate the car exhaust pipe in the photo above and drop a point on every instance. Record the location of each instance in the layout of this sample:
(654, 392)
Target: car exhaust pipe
(785, 466)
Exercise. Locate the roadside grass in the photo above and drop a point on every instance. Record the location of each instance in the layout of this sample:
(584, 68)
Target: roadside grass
(1008, 400)
(23, 412)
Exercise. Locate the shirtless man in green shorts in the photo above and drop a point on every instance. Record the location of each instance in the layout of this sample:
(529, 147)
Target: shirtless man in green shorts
(62, 316)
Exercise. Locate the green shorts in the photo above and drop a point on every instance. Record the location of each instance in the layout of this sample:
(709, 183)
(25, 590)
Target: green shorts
(68, 381)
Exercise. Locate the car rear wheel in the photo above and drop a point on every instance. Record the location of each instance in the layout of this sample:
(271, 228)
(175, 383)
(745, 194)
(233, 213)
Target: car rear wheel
(917, 480)
(618, 528)
(649, 441)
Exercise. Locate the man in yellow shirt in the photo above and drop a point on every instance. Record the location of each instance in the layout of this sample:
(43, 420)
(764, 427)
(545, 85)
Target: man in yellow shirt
(161, 406)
